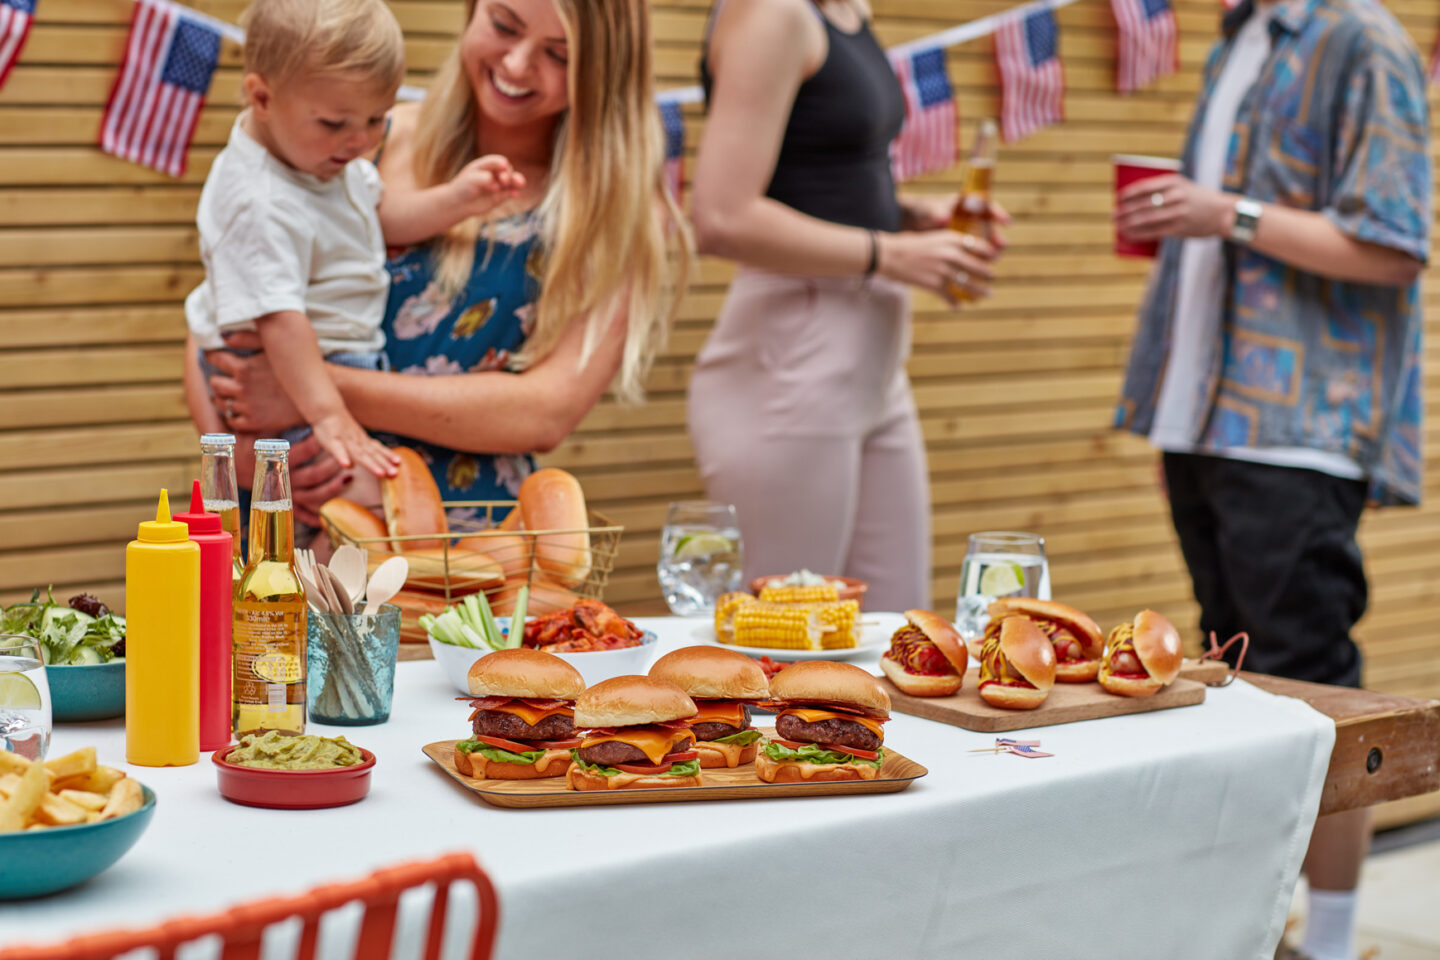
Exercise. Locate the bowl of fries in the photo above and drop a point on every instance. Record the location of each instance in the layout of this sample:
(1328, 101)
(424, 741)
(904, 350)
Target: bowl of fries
(64, 821)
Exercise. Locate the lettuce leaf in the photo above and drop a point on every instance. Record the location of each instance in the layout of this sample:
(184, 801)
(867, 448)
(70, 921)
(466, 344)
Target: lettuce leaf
(498, 755)
(687, 769)
(811, 753)
(744, 738)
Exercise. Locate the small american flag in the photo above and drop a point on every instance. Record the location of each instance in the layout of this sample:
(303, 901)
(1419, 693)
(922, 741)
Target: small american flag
(1032, 81)
(155, 104)
(1147, 42)
(927, 141)
(15, 17)
(674, 123)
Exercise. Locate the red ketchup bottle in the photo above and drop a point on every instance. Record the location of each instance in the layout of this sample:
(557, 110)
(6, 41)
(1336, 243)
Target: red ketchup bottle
(216, 599)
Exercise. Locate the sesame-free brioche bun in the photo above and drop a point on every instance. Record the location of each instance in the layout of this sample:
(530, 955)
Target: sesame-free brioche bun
(554, 763)
(788, 771)
(1030, 652)
(523, 672)
(1157, 645)
(829, 681)
(919, 684)
(943, 634)
(1084, 629)
(713, 673)
(578, 778)
(631, 700)
(412, 502)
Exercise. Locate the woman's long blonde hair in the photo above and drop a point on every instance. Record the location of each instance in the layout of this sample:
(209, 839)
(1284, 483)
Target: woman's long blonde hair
(611, 234)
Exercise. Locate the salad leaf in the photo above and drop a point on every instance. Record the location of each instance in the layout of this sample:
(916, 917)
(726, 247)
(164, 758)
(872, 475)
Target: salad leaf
(687, 769)
(811, 753)
(744, 738)
(496, 754)
(67, 636)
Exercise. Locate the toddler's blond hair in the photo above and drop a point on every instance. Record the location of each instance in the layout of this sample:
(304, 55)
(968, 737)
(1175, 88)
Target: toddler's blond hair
(286, 38)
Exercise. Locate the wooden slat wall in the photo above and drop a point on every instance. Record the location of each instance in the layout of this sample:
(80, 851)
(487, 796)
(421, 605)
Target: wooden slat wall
(1015, 395)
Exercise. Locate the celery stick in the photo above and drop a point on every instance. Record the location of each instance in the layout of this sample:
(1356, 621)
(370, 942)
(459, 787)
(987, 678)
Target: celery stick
(516, 636)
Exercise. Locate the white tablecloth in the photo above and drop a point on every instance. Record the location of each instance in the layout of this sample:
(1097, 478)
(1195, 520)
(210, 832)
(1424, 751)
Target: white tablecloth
(1176, 834)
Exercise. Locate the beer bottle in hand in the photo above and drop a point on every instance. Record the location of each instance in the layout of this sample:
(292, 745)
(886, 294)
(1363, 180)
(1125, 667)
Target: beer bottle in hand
(972, 210)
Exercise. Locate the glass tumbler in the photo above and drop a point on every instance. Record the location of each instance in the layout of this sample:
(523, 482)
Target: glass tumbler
(999, 564)
(701, 555)
(24, 697)
(350, 666)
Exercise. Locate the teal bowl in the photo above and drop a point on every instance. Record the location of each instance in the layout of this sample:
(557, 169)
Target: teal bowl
(36, 862)
(93, 691)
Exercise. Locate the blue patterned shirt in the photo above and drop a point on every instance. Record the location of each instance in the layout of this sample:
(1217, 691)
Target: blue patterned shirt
(1337, 123)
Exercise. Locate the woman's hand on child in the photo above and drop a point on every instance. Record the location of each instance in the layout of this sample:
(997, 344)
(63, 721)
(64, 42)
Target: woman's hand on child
(345, 440)
(484, 184)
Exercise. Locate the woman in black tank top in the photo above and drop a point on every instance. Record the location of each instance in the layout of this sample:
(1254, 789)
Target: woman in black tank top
(800, 410)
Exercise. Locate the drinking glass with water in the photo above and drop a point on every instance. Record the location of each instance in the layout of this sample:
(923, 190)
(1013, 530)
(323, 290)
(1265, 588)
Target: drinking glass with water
(700, 555)
(999, 564)
(24, 698)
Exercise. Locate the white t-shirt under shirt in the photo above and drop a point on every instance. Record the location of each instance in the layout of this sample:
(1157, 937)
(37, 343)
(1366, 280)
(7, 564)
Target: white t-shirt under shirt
(274, 239)
(1201, 290)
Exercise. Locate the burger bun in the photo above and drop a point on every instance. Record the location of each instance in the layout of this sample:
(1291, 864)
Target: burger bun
(578, 778)
(713, 673)
(631, 700)
(552, 764)
(789, 771)
(526, 673)
(829, 681)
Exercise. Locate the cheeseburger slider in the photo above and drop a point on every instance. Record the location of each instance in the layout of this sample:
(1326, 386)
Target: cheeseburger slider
(524, 704)
(636, 734)
(1017, 664)
(828, 726)
(926, 657)
(1142, 656)
(1077, 639)
(724, 685)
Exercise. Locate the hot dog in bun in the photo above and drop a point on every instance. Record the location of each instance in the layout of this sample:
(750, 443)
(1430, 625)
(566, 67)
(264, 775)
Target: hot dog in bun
(636, 735)
(926, 657)
(724, 685)
(828, 726)
(1017, 664)
(1077, 639)
(1142, 656)
(523, 719)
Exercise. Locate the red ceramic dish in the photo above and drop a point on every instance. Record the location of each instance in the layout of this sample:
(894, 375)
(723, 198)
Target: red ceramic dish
(293, 789)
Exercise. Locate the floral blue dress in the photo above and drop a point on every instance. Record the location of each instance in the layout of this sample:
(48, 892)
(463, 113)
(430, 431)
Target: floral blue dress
(480, 329)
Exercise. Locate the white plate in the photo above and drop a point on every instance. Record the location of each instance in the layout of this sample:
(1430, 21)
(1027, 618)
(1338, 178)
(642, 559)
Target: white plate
(873, 638)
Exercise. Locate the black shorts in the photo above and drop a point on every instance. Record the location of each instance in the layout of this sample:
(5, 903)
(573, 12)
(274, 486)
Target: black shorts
(1272, 552)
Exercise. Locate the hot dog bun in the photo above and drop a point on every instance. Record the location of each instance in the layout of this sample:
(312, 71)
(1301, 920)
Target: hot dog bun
(469, 571)
(1032, 656)
(412, 502)
(551, 499)
(1156, 644)
(511, 551)
(1085, 631)
(919, 684)
(545, 597)
(350, 521)
(946, 639)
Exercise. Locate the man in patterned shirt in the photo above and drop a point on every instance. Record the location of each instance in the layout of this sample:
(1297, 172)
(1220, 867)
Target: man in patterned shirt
(1277, 358)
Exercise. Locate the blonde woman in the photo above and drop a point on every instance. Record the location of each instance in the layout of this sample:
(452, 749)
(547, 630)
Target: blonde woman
(503, 335)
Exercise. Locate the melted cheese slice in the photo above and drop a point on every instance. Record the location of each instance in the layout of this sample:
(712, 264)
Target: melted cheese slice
(812, 715)
(719, 711)
(729, 752)
(533, 716)
(654, 742)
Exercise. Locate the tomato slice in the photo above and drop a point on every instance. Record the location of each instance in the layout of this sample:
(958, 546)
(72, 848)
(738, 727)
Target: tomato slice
(642, 768)
(680, 757)
(792, 744)
(559, 744)
(510, 745)
(852, 751)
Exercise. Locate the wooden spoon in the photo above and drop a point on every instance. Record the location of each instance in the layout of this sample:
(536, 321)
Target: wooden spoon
(349, 568)
(387, 580)
(339, 594)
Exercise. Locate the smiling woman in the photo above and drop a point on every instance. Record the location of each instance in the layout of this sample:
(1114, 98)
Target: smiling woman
(504, 331)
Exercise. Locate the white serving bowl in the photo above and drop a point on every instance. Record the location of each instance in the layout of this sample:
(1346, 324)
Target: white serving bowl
(595, 666)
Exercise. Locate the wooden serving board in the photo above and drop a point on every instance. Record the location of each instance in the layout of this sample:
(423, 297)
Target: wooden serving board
(1205, 671)
(739, 783)
(1067, 703)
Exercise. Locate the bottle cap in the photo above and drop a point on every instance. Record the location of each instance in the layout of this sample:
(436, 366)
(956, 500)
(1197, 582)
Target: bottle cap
(162, 529)
(272, 446)
(217, 440)
(197, 519)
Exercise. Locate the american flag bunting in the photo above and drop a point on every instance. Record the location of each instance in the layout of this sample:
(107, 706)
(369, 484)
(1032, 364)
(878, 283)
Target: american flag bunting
(927, 141)
(1032, 80)
(1148, 46)
(674, 122)
(15, 18)
(156, 101)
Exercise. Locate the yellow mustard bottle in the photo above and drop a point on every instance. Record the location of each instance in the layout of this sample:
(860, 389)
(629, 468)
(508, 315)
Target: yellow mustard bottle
(162, 643)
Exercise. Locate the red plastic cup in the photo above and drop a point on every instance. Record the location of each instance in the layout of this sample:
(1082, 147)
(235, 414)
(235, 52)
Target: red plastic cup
(1129, 169)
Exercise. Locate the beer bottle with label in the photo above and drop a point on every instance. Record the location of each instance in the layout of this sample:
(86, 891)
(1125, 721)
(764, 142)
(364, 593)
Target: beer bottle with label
(269, 634)
(972, 210)
(218, 488)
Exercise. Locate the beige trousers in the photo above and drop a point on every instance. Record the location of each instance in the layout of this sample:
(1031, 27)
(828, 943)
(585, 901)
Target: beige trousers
(801, 415)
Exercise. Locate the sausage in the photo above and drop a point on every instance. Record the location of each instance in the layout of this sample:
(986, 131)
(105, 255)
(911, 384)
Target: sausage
(1126, 663)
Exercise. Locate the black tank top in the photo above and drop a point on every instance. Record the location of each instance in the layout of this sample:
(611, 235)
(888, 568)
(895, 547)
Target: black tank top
(834, 160)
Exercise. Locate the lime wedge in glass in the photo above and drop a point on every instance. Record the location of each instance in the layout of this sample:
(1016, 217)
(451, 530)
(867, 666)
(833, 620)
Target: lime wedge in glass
(1002, 579)
(18, 692)
(702, 545)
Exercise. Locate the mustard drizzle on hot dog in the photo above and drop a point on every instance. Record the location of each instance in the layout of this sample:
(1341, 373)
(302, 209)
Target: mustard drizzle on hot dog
(994, 668)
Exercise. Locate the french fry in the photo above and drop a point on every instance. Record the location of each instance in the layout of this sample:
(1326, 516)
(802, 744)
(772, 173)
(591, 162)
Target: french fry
(8, 783)
(94, 802)
(13, 763)
(127, 797)
(56, 811)
(74, 764)
(101, 780)
(17, 810)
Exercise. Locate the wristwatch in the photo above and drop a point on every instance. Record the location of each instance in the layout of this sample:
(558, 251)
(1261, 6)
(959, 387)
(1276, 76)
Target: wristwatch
(1247, 220)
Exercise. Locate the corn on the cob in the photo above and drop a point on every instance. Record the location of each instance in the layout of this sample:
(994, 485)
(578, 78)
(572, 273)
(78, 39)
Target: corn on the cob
(841, 616)
(820, 593)
(783, 626)
(725, 608)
